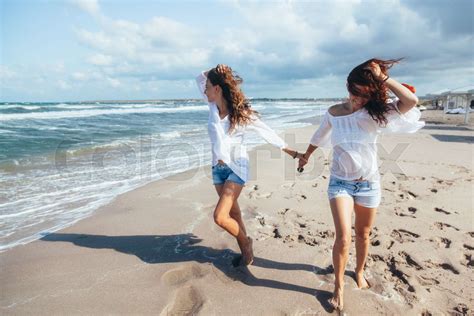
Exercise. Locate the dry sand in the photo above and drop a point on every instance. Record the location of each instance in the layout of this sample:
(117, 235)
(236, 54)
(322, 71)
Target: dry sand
(156, 250)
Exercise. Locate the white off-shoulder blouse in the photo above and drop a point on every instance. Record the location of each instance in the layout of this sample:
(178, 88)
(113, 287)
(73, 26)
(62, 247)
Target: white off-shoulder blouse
(231, 148)
(353, 139)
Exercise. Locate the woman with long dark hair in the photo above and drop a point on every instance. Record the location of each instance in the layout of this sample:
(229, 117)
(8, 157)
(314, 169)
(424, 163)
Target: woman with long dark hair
(231, 118)
(351, 129)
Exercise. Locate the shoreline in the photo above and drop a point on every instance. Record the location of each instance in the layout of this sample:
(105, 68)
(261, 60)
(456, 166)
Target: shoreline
(160, 241)
(95, 208)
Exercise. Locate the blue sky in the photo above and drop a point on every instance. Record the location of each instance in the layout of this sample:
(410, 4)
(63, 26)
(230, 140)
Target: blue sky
(96, 50)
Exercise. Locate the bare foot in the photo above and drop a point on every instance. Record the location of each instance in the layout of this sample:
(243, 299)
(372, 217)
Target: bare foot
(248, 253)
(337, 300)
(362, 282)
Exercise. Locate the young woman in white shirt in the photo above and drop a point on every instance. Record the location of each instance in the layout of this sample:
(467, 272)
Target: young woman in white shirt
(231, 118)
(351, 130)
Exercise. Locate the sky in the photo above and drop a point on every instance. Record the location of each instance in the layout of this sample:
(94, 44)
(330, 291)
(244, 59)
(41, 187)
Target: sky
(79, 50)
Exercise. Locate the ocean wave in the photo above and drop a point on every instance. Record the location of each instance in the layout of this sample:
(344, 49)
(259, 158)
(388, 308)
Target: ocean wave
(20, 106)
(170, 135)
(105, 105)
(87, 113)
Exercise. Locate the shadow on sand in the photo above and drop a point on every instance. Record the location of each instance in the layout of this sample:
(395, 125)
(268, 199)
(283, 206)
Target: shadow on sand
(154, 249)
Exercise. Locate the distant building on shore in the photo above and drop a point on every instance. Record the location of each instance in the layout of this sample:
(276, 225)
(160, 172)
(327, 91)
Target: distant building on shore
(455, 101)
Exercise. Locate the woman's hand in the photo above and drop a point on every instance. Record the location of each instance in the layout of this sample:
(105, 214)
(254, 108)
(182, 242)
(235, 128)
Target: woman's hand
(302, 161)
(221, 68)
(377, 72)
(221, 162)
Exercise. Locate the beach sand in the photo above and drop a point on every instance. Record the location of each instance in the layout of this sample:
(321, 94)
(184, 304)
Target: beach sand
(156, 250)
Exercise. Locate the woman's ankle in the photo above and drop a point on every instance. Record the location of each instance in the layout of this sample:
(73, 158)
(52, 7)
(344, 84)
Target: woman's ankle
(339, 286)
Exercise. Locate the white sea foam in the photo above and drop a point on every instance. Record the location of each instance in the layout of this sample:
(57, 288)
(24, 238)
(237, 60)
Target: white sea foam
(105, 106)
(20, 106)
(170, 135)
(88, 113)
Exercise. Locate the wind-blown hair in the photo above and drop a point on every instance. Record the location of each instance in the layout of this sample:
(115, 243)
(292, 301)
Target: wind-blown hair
(238, 106)
(374, 89)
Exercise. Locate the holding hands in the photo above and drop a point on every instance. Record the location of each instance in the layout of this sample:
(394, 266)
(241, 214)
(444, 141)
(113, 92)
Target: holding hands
(302, 160)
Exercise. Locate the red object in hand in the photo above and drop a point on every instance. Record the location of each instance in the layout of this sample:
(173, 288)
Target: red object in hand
(411, 88)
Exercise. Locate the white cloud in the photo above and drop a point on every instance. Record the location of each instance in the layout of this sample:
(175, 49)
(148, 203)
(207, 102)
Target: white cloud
(80, 76)
(6, 73)
(161, 46)
(100, 60)
(89, 6)
(58, 67)
(114, 83)
(63, 85)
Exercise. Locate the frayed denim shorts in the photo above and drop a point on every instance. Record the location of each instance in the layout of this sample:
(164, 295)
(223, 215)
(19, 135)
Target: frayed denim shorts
(364, 193)
(222, 173)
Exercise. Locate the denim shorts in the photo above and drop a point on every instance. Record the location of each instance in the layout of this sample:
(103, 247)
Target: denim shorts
(222, 173)
(364, 193)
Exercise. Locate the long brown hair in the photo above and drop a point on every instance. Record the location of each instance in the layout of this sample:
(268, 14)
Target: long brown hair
(238, 106)
(375, 89)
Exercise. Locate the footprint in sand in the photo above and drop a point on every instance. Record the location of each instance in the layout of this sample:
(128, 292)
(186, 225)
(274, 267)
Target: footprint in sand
(276, 233)
(325, 234)
(441, 242)
(302, 197)
(412, 209)
(407, 195)
(461, 309)
(410, 261)
(427, 281)
(375, 242)
(468, 262)
(283, 211)
(442, 226)
(444, 266)
(468, 247)
(402, 285)
(187, 301)
(440, 210)
(402, 235)
(260, 219)
(257, 195)
(310, 241)
(401, 213)
(288, 185)
(375, 258)
(182, 274)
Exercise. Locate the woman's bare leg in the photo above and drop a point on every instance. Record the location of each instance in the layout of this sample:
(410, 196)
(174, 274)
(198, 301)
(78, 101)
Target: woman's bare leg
(364, 219)
(341, 208)
(235, 211)
(229, 194)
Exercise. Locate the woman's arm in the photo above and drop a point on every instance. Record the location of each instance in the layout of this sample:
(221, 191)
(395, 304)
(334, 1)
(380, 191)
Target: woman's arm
(269, 135)
(407, 99)
(321, 137)
(201, 84)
